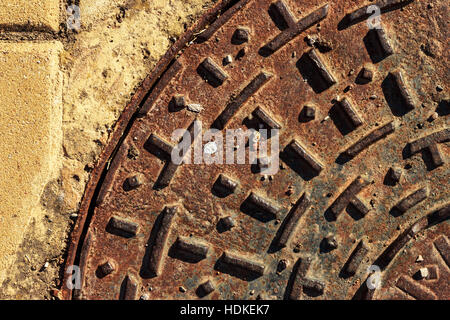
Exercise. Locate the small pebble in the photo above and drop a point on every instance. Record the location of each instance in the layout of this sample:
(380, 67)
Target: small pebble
(228, 222)
(133, 182)
(367, 74)
(282, 265)
(310, 40)
(227, 60)
(182, 289)
(309, 112)
(241, 35)
(434, 116)
(206, 287)
(433, 272)
(395, 174)
(423, 273)
(439, 88)
(419, 258)
(179, 101)
(195, 107)
(331, 242)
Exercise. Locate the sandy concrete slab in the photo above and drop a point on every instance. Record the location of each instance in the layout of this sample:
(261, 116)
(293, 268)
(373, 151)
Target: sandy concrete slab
(30, 127)
(118, 44)
(32, 14)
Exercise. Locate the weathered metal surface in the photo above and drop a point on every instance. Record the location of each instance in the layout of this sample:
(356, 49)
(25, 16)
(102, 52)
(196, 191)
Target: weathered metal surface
(363, 176)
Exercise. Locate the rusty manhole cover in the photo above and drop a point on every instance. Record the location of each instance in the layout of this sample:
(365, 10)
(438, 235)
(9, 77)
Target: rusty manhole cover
(358, 205)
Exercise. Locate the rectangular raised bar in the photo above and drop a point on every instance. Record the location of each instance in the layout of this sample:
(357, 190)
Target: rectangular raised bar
(264, 117)
(414, 289)
(122, 227)
(303, 265)
(284, 12)
(412, 199)
(243, 96)
(369, 139)
(130, 288)
(157, 254)
(351, 114)
(356, 258)
(401, 85)
(244, 263)
(384, 5)
(303, 24)
(215, 75)
(436, 137)
(303, 154)
(443, 247)
(292, 220)
(193, 246)
(264, 204)
(345, 197)
(160, 144)
(320, 66)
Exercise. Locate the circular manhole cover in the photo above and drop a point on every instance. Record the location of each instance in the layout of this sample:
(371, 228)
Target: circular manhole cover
(334, 184)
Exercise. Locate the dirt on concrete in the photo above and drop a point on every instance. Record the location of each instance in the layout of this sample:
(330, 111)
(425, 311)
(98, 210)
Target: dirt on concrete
(103, 63)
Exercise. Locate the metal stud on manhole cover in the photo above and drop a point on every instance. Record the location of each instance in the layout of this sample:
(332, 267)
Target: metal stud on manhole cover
(357, 204)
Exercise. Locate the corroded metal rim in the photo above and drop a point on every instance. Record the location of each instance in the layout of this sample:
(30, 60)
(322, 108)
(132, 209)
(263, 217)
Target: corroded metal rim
(214, 18)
